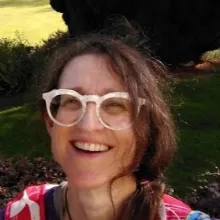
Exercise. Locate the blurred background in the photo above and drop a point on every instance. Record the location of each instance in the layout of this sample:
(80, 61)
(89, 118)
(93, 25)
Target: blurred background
(185, 35)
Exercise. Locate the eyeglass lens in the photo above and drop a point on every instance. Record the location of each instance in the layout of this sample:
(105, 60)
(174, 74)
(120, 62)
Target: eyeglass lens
(114, 112)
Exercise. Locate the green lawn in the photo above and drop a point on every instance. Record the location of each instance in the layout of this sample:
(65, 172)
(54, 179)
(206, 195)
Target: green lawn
(197, 113)
(22, 133)
(196, 108)
(34, 19)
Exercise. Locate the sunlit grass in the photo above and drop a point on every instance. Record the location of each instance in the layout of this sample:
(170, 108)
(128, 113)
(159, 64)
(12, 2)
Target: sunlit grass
(35, 20)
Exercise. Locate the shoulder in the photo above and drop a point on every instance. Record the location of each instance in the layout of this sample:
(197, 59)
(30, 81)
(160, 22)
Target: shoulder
(29, 204)
(172, 208)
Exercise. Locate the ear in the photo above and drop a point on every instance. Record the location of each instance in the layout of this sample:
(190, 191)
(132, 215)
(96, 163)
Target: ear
(48, 122)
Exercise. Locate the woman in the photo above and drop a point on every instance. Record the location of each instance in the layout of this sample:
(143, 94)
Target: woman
(112, 134)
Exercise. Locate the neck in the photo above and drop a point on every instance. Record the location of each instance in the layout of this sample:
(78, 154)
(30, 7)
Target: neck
(97, 204)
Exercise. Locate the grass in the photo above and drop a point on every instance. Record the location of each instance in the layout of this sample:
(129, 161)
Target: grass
(196, 109)
(195, 106)
(22, 133)
(34, 19)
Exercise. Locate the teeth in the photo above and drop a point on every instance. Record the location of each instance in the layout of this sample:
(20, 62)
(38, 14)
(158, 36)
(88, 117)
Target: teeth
(91, 146)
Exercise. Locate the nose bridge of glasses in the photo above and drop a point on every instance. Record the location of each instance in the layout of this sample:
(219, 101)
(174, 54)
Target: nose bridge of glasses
(90, 116)
(91, 102)
(91, 98)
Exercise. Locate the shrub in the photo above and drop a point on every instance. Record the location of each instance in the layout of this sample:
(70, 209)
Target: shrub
(42, 55)
(206, 197)
(44, 51)
(54, 41)
(20, 62)
(17, 173)
(15, 64)
(210, 55)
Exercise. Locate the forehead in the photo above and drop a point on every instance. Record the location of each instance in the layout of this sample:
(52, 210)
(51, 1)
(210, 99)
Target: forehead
(92, 74)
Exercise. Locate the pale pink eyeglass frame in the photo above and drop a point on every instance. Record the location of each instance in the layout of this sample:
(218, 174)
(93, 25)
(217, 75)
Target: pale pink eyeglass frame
(84, 99)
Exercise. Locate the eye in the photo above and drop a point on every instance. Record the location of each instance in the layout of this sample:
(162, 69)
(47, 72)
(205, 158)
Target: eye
(70, 102)
(115, 106)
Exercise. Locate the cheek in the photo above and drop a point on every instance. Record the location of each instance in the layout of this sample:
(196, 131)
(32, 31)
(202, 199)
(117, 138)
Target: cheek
(126, 148)
(59, 137)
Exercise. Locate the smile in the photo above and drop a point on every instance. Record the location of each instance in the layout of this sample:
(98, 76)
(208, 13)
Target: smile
(90, 147)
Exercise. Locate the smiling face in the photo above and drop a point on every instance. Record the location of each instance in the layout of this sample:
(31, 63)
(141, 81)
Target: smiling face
(91, 75)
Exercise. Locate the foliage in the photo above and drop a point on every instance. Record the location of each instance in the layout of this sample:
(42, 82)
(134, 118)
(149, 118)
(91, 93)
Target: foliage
(206, 196)
(210, 55)
(43, 52)
(21, 62)
(15, 65)
(54, 41)
(17, 173)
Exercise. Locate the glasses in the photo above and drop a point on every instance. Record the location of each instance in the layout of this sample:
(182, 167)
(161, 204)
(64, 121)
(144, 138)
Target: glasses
(67, 107)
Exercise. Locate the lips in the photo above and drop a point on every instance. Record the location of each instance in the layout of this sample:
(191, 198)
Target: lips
(90, 147)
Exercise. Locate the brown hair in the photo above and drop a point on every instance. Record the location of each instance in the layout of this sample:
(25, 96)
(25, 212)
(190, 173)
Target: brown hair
(153, 128)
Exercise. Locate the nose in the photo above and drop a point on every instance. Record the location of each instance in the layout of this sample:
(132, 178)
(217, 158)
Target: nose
(90, 121)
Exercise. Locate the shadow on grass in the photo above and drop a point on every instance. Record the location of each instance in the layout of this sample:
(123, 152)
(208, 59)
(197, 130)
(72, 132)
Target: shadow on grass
(22, 133)
(8, 101)
(23, 3)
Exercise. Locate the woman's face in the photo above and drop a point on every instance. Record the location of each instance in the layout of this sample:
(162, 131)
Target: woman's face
(90, 75)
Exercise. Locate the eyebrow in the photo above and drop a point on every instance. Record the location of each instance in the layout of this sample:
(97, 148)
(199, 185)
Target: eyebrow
(83, 91)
